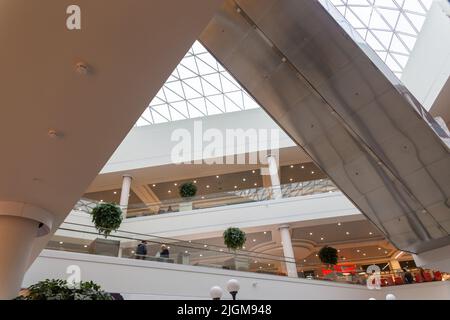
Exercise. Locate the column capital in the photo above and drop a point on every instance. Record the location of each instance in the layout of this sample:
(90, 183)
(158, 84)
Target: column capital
(284, 226)
(28, 211)
(127, 176)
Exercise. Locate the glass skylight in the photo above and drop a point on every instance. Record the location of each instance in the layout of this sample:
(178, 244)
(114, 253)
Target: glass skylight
(390, 27)
(198, 87)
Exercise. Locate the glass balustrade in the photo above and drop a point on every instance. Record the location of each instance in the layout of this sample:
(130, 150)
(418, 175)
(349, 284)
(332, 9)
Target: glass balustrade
(221, 199)
(85, 239)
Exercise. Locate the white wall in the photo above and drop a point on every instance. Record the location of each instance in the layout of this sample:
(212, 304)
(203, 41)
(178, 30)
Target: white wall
(429, 65)
(151, 145)
(215, 220)
(138, 279)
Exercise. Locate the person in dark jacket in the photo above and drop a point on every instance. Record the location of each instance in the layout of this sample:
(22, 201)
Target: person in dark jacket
(141, 250)
(408, 276)
(164, 253)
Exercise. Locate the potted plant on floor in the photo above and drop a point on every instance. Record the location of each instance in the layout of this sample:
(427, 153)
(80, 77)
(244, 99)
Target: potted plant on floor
(107, 217)
(234, 239)
(60, 290)
(329, 257)
(187, 191)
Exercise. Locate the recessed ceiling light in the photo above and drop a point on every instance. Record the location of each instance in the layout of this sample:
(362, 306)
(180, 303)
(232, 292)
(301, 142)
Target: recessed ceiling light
(344, 258)
(217, 177)
(364, 254)
(253, 171)
(207, 187)
(291, 179)
(304, 260)
(85, 246)
(385, 252)
(115, 192)
(310, 233)
(347, 233)
(317, 255)
(153, 185)
(322, 238)
(203, 197)
(201, 255)
(205, 245)
(292, 166)
(303, 167)
(256, 261)
(255, 184)
(358, 250)
(312, 172)
(170, 191)
(82, 68)
(254, 240)
(339, 224)
(243, 247)
(186, 251)
(339, 250)
(244, 179)
(260, 267)
(195, 181)
(370, 233)
(235, 187)
(265, 232)
(132, 251)
(221, 250)
(61, 242)
(269, 264)
(175, 184)
(101, 200)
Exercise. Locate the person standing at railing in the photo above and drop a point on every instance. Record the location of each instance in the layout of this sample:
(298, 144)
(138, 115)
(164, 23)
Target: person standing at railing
(164, 253)
(141, 250)
(408, 276)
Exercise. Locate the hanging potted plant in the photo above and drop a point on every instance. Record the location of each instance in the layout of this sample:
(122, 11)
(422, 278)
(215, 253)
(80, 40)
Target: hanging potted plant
(187, 191)
(107, 217)
(234, 239)
(329, 257)
(61, 290)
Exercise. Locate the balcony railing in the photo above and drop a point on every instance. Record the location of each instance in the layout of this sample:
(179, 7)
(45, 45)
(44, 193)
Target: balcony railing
(290, 190)
(80, 238)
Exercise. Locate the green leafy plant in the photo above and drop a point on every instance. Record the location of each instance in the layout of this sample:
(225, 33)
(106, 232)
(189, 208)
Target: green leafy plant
(234, 238)
(106, 217)
(328, 255)
(188, 190)
(56, 289)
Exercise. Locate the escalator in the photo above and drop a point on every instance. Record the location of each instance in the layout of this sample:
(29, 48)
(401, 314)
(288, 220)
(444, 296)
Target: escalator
(331, 93)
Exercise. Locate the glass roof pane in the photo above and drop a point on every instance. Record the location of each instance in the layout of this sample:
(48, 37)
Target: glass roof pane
(198, 87)
(393, 25)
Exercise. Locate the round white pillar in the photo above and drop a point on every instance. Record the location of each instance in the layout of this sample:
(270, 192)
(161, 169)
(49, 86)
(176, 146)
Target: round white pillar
(288, 251)
(20, 224)
(274, 177)
(125, 194)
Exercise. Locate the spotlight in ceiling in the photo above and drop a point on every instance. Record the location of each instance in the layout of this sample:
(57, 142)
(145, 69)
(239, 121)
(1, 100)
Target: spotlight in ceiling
(82, 68)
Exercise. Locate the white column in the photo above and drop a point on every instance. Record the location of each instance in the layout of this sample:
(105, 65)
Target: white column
(125, 194)
(20, 225)
(274, 177)
(288, 251)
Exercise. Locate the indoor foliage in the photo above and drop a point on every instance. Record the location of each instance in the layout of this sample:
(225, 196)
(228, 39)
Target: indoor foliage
(234, 238)
(106, 217)
(56, 289)
(188, 190)
(328, 255)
